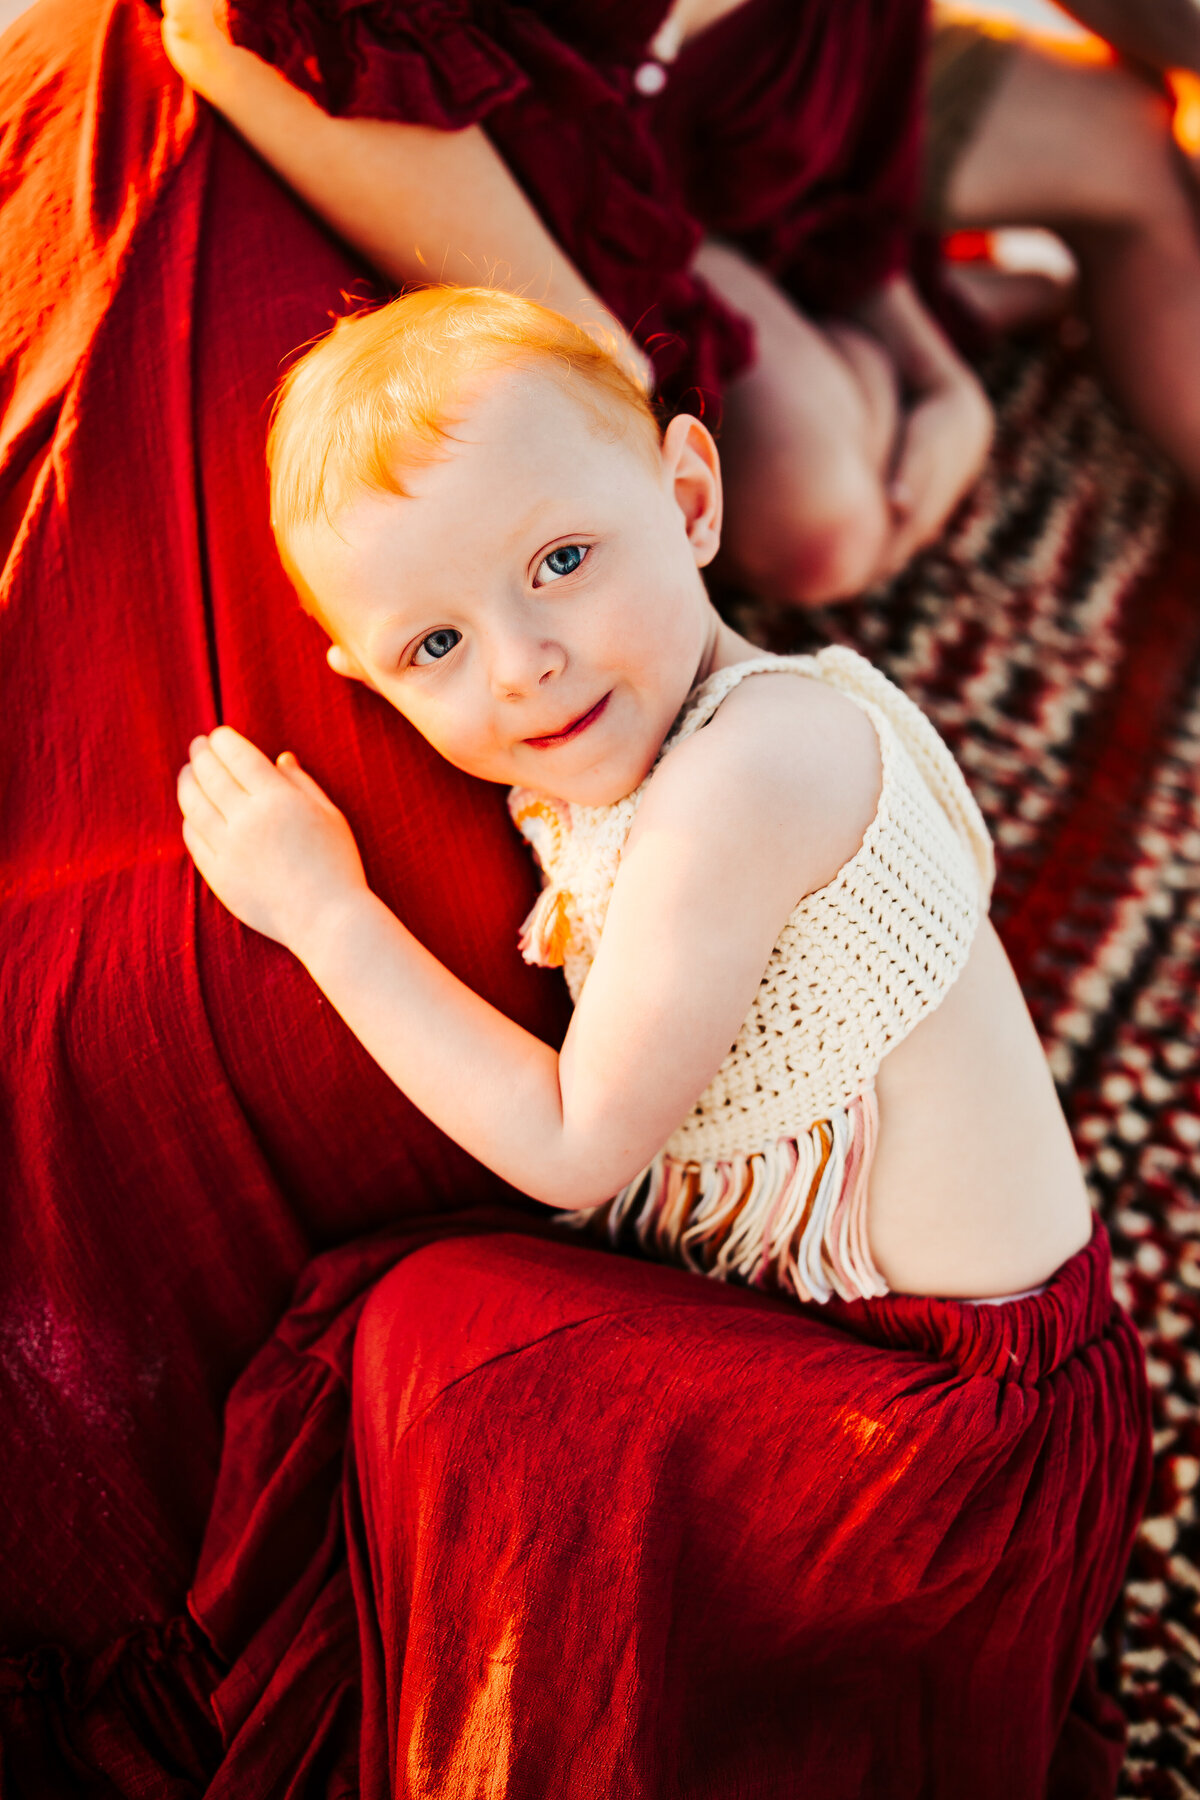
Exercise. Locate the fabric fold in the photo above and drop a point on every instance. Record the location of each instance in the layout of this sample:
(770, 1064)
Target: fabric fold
(138, 1715)
(588, 1522)
(423, 61)
(790, 1217)
(793, 134)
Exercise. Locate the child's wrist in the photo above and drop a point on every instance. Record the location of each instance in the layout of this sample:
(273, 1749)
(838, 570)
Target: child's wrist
(331, 932)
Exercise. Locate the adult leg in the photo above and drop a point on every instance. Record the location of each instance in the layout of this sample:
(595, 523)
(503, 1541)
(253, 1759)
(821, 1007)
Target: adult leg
(1085, 148)
(807, 437)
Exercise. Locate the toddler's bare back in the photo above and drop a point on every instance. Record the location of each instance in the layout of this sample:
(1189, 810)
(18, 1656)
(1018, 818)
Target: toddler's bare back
(976, 1188)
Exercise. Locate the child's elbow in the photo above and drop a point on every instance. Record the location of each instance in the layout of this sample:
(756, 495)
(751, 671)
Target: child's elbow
(580, 1185)
(573, 1196)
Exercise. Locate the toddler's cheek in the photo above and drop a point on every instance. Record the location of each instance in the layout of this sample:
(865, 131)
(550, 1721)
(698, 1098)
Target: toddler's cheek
(474, 754)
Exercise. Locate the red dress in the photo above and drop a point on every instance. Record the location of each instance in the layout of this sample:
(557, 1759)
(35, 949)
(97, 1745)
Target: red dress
(485, 1512)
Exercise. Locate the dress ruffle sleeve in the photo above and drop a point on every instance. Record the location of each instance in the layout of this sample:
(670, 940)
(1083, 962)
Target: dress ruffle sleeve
(423, 61)
(792, 131)
(798, 129)
(570, 128)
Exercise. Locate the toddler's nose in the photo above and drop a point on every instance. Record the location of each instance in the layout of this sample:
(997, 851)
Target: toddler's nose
(523, 662)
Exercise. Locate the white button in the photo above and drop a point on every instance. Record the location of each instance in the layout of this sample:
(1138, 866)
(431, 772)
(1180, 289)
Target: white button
(650, 78)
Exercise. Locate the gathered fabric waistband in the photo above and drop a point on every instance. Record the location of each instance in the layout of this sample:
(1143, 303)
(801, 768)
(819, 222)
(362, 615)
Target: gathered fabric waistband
(1024, 1339)
(1005, 1299)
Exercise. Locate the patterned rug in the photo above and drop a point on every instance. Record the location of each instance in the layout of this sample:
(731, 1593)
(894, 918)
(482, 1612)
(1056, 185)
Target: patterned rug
(1054, 638)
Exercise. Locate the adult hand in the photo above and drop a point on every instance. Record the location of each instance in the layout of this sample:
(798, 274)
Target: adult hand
(270, 844)
(945, 427)
(196, 39)
(944, 441)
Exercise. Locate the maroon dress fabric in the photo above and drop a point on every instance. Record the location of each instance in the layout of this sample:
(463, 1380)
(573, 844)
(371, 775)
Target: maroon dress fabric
(552, 1522)
(790, 128)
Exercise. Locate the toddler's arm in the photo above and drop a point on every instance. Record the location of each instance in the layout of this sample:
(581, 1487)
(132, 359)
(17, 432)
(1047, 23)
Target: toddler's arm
(763, 805)
(422, 205)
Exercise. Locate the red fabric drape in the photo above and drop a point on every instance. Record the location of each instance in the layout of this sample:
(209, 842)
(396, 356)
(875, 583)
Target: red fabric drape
(614, 1530)
(599, 1522)
(184, 1121)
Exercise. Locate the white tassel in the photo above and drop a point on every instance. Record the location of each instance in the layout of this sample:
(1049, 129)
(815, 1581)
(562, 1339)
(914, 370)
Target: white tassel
(655, 1180)
(793, 1208)
(544, 935)
(810, 1250)
(720, 1193)
(626, 1200)
(713, 1187)
(747, 1229)
(791, 1216)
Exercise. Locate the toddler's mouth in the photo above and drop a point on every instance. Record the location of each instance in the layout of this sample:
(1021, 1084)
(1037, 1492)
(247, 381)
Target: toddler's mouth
(573, 729)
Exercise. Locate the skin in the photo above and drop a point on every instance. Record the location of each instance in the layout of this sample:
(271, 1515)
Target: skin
(511, 678)
(545, 566)
(846, 446)
(1163, 36)
(1083, 146)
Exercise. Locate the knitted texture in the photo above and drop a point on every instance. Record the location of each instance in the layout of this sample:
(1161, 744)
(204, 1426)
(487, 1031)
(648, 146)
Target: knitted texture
(766, 1179)
(858, 964)
(791, 1216)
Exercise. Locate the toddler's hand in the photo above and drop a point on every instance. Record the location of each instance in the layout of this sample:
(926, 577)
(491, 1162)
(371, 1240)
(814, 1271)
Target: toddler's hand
(270, 844)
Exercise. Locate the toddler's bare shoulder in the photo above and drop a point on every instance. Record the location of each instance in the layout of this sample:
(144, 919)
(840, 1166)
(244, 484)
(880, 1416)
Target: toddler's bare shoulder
(795, 758)
(800, 735)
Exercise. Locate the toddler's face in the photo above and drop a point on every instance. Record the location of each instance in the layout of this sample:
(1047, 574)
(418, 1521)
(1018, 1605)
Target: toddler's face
(535, 606)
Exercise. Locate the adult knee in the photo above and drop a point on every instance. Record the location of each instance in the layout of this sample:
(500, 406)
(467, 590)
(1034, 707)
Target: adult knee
(1127, 168)
(1068, 144)
(831, 542)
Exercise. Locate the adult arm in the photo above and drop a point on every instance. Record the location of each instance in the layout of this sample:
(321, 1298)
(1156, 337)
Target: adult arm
(1165, 34)
(421, 204)
(777, 792)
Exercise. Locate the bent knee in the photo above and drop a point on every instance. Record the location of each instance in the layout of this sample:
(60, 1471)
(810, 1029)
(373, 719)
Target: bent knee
(831, 544)
(1133, 148)
(1119, 166)
(1066, 142)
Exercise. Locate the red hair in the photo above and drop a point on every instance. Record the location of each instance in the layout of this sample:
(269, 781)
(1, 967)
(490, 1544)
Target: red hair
(377, 394)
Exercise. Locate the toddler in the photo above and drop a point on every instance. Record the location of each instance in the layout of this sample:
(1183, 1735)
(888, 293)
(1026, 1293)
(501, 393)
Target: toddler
(777, 854)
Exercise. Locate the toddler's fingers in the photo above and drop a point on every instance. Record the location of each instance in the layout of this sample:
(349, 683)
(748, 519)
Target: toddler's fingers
(198, 847)
(287, 765)
(244, 760)
(195, 805)
(213, 776)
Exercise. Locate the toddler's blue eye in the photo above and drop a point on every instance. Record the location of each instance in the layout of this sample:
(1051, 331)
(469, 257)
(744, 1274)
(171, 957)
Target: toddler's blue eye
(563, 561)
(436, 645)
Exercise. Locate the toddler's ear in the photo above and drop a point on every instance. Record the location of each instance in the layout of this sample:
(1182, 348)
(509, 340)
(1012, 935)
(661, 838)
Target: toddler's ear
(342, 663)
(693, 467)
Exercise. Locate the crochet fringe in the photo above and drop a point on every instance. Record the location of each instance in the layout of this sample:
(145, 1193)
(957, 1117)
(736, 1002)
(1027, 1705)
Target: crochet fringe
(792, 1216)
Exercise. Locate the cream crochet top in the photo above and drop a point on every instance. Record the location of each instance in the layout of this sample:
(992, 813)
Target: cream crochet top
(766, 1179)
